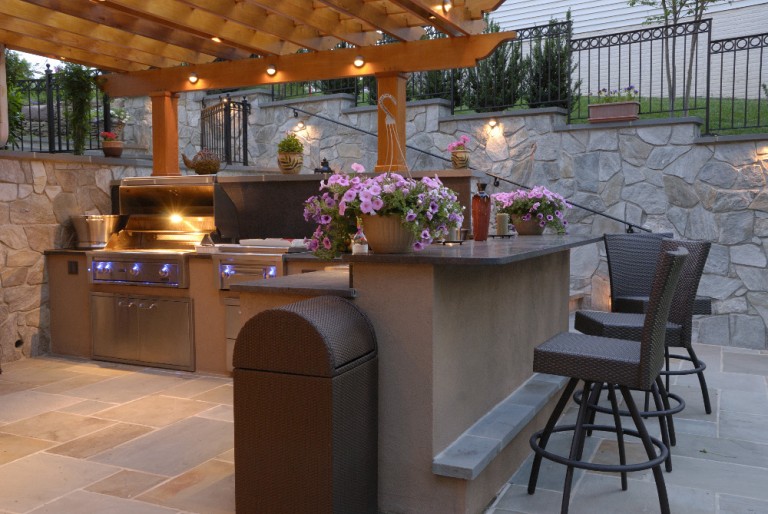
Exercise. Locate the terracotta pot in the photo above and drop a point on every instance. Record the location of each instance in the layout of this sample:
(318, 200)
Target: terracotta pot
(386, 234)
(290, 162)
(527, 228)
(460, 159)
(616, 111)
(112, 148)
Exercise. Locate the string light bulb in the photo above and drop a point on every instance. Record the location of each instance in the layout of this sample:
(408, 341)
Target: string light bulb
(359, 61)
(271, 70)
(193, 78)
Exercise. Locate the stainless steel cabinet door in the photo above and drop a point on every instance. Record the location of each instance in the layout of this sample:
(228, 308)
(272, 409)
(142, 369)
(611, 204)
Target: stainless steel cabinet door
(113, 326)
(165, 331)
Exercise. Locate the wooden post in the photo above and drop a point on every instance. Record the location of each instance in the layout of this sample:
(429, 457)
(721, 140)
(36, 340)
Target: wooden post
(165, 133)
(391, 122)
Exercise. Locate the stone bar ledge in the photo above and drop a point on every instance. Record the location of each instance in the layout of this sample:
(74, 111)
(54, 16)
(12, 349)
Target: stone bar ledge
(469, 455)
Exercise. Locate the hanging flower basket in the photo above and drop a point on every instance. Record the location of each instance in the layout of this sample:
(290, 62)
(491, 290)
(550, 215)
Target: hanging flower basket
(387, 234)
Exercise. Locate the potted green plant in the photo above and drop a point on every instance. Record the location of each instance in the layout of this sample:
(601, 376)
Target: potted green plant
(614, 105)
(290, 154)
(532, 211)
(398, 214)
(77, 83)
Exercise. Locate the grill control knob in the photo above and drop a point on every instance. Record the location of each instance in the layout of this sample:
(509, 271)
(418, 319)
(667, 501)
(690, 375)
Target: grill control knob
(135, 270)
(165, 271)
(104, 268)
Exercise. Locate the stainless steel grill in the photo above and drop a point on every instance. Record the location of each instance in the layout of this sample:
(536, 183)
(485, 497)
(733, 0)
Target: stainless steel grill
(167, 218)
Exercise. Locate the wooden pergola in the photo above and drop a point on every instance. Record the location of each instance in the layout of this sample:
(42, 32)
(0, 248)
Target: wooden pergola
(152, 48)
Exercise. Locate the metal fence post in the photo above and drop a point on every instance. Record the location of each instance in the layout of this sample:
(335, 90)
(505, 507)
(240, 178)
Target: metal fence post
(106, 109)
(228, 129)
(244, 112)
(49, 109)
(707, 128)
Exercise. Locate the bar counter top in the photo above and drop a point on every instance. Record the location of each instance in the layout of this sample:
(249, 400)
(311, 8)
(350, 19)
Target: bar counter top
(494, 251)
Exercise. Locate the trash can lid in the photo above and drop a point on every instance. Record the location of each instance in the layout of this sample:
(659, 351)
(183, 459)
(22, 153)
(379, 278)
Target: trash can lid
(323, 336)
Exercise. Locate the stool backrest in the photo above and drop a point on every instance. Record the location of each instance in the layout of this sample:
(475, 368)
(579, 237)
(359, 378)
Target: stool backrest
(663, 288)
(632, 262)
(681, 311)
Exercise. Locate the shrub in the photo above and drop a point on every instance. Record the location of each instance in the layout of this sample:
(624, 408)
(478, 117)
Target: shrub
(496, 81)
(549, 69)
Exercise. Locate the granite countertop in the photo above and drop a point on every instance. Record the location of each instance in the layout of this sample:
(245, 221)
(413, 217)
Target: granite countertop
(329, 282)
(494, 251)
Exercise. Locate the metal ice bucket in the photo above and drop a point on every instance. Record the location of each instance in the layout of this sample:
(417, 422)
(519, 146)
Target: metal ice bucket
(93, 230)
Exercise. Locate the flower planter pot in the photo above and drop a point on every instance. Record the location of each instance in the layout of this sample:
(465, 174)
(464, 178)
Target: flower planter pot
(527, 228)
(616, 111)
(386, 234)
(460, 159)
(112, 148)
(290, 162)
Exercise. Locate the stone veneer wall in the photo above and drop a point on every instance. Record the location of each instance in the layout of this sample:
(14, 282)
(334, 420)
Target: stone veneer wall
(38, 195)
(658, 174)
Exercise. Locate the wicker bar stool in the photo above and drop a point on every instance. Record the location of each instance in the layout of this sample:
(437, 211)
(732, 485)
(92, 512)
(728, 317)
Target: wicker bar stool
(625, 364)
(631, 262)
(622, 325)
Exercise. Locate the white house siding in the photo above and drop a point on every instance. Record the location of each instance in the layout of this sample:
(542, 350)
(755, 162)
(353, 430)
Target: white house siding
(737, 18)
(734, 75)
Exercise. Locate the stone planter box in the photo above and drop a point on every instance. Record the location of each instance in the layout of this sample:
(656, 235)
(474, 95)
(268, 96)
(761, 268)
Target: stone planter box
(616, 111)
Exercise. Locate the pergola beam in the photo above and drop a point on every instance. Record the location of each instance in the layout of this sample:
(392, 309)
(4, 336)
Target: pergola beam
(393, 58)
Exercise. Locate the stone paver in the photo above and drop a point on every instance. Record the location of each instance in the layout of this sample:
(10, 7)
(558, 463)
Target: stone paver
(720, 463)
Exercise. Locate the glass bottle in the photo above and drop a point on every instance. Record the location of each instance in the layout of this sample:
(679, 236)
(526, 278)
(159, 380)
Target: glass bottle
(481, 213)
(359, 241)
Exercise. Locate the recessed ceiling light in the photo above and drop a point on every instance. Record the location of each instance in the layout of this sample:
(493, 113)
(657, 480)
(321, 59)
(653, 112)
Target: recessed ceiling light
(359, 61)
(193, 78)
(216, 39)
(271, 70)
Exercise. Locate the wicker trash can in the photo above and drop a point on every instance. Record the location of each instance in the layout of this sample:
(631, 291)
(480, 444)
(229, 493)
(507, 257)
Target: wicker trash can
(305, 409)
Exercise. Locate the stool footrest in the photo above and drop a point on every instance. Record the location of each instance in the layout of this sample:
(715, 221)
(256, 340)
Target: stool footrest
(592, 466)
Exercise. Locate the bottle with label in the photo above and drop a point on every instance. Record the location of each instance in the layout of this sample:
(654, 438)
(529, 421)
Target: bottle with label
(359, 241)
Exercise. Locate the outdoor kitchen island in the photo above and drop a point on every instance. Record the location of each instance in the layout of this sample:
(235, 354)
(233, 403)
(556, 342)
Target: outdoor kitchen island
(456, 327)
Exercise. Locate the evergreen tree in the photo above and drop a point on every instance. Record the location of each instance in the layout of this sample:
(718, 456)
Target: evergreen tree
(549, 68)
(496, 82)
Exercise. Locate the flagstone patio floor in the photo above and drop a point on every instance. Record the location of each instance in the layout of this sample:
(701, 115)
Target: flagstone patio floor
(84, 436)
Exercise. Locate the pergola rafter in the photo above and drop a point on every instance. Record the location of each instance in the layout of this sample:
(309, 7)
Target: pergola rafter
(152, 47)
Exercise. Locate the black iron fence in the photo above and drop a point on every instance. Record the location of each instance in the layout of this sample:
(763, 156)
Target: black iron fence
(531, 70)
(224, 129)
(661, 63)
(738, 79)
(44, 126)
(677, 70)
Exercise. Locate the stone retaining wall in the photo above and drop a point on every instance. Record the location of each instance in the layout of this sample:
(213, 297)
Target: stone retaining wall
(657, 174)
(38, 196)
